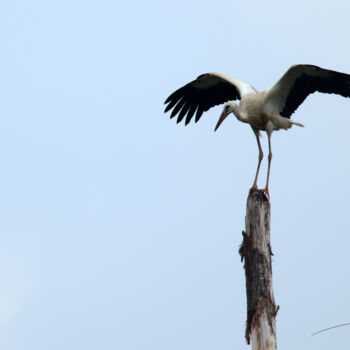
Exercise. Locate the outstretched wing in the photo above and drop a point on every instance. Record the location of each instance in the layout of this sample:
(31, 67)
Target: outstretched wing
(300, 81)
(207, 91)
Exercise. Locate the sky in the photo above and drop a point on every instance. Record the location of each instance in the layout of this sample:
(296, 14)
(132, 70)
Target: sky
(120, 229)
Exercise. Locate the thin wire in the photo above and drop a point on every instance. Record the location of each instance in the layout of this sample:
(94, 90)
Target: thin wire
(326, 329)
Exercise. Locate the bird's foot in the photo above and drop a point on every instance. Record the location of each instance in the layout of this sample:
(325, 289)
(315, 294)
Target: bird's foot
(266, 190)
(255, 188)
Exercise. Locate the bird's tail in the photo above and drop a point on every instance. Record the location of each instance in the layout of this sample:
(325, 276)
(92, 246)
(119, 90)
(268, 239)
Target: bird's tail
(296, 123)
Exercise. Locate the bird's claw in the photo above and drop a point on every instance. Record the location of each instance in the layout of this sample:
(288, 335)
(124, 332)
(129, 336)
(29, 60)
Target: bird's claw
(266, 190)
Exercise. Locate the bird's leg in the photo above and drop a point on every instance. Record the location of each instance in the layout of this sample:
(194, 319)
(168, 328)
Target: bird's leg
(261, 155)
(269, 164)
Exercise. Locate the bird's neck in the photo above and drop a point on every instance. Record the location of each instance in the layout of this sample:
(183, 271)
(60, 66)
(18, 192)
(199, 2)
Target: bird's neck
(238, 114)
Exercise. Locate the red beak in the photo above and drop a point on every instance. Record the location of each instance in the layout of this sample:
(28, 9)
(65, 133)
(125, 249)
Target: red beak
(221, 119)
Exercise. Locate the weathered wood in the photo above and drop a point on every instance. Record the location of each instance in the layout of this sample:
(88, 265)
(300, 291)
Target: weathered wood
(256, 253)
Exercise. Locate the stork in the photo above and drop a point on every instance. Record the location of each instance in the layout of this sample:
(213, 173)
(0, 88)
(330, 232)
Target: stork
(268, 110)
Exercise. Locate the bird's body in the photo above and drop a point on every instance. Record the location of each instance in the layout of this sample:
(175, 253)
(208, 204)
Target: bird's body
(265, 111)
(251, 110)
(254, 110)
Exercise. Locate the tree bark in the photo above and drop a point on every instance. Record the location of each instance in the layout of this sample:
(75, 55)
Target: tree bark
(256, 253)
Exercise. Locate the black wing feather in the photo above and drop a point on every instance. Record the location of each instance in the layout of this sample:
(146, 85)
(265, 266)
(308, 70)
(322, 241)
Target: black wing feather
(183, 112)
(199, 113)
(190, 114)
(170, 105)
(315, 79)
(200, 96)
(178, 107)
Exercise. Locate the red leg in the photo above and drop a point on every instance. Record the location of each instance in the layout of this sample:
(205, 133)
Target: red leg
(261, 155)
(269, 165)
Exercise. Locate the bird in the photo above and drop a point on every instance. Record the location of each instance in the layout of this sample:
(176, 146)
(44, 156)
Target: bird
(268, 110)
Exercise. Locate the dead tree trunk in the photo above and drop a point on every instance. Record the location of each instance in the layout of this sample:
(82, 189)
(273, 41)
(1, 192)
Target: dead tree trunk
(256, 253)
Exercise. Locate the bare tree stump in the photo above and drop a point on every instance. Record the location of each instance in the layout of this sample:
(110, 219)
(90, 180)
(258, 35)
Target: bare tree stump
(256, 253)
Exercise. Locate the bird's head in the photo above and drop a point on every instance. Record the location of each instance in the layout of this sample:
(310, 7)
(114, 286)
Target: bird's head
(229, 107)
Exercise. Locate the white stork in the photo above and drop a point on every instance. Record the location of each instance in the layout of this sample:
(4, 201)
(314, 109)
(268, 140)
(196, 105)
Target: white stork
(268, 110)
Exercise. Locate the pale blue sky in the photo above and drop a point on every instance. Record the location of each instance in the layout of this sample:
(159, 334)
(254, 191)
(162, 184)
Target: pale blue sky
(119, 228)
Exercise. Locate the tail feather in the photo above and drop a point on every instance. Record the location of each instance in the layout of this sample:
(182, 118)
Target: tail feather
(296, 123)
(284, 123)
